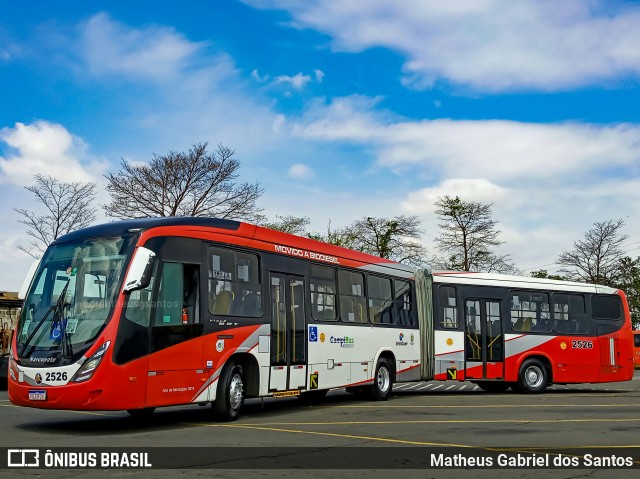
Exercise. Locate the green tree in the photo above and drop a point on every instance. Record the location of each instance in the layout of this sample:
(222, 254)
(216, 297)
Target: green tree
(544, 274)
(628, 280)
(344, 237)
(295, 225)
(396, 238)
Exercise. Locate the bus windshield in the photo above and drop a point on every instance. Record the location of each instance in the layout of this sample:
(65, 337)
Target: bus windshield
(71, 296)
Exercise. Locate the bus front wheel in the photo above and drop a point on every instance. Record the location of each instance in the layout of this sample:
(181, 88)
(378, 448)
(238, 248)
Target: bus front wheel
(382, 381)
(533, 377)
(230, 394)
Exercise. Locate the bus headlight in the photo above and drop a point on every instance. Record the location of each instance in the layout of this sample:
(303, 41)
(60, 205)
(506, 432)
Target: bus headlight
(89, 367)
(13, 367)
(11, 370)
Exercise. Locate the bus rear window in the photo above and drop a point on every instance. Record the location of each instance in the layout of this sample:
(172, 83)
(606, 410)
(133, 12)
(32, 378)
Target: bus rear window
(606, 307)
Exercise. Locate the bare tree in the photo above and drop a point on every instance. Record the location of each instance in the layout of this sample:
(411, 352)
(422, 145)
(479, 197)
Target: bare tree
(597, 258)
(468, 236)
(195, 183)
(67, 206)
(396, 238)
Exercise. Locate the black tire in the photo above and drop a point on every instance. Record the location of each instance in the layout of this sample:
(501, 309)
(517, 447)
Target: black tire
(533, 377)
(382, 381)
(493, 386)
(314, 396)
(230, 393)
(143, 413)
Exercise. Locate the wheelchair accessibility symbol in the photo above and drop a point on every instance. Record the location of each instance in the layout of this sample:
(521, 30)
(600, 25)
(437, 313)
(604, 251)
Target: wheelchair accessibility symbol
(313, 334)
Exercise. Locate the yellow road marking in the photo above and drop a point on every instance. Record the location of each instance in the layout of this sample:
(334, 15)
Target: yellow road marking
(345, 436)
(402, 441)
(477, 406)
(438, 421)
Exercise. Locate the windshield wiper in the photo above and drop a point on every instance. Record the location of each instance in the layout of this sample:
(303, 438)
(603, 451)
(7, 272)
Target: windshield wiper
(56, 308)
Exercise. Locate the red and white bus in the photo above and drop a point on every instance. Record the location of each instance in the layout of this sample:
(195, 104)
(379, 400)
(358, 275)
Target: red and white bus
(139, 314)
(510, 331)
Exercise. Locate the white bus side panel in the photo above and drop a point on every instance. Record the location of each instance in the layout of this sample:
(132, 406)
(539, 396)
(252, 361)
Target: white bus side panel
(449, 350)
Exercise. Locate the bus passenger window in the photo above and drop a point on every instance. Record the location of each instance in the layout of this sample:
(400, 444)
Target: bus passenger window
(234, 283)
(569, 314)
(322, 283)
(380, 300)
(353, 307)
(530, 312)
(448, 309)
(403, 303)
(606, 307)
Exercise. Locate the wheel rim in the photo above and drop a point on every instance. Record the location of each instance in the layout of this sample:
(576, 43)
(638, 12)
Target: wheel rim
(533, 376)
(383, 379)
(236, 392)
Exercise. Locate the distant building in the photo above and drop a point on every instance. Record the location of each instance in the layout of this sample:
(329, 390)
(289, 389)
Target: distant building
(9, 311)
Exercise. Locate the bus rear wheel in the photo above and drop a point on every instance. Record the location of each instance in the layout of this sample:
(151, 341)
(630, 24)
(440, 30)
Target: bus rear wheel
(532, 377)
(382, 381)
(230, 394)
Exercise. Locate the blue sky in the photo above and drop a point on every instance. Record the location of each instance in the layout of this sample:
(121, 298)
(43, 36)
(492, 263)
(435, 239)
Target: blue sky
(340, 109)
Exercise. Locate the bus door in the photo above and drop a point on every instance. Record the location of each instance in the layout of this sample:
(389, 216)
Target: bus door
(288, 370)
(484, 341)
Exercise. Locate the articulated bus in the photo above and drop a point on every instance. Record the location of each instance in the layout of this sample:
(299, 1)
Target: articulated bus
(139, 314)
(507, 331)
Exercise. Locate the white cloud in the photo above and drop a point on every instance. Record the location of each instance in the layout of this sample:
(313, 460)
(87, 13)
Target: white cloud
(49, 149)
(154, 53)
(184, 91)
(489, 45)
(469, 189)
(300, 171)
(548, 182)
(297, 81)
(492, 149)
(256, 76)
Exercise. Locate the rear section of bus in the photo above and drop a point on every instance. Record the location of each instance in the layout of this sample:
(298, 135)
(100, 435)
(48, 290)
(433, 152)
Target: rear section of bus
(636, 349)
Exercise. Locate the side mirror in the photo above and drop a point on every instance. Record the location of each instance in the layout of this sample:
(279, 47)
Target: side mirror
(139, 274)
(27, 280)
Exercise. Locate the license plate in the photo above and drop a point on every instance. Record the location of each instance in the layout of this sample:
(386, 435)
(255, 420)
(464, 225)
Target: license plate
(37, 395)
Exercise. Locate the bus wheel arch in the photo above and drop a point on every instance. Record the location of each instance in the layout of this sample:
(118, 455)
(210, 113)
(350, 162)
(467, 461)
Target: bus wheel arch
(534, 374)
(250, 372)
